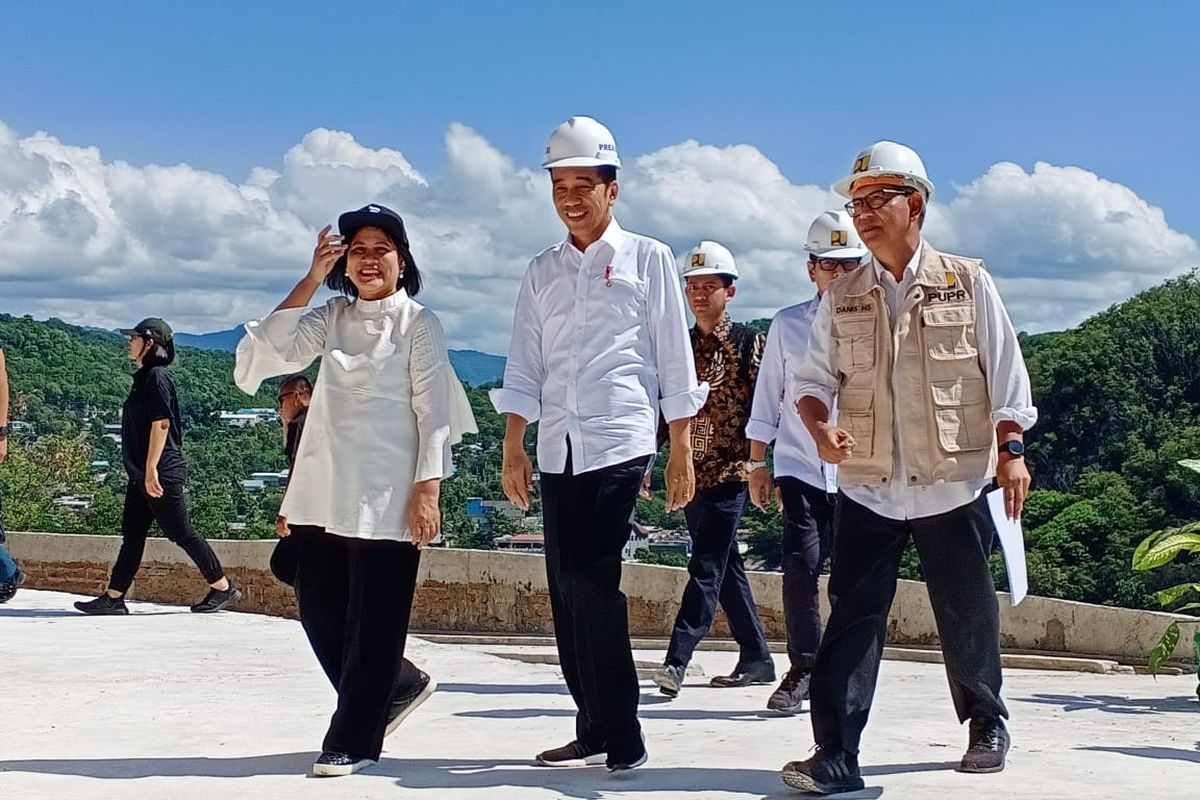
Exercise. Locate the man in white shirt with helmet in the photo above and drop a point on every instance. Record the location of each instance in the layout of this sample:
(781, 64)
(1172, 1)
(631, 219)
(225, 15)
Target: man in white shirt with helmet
(918, 355)
(807, 488)
(599, 347)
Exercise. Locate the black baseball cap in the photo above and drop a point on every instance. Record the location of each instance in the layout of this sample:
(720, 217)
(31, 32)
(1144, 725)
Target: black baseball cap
(374, 216)
(155, 328)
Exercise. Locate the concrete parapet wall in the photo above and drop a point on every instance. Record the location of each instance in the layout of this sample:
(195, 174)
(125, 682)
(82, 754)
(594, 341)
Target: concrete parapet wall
(483, 591)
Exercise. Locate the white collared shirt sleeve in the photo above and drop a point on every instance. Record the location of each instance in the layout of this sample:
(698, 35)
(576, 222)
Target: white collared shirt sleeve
(1000, 356)
(281, 343)
(763, 425)
(814, 376)
(682, 395)
(525, 370)
(431, 397)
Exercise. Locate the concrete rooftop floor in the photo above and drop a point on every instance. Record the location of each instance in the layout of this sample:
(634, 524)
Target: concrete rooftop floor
(167, 704)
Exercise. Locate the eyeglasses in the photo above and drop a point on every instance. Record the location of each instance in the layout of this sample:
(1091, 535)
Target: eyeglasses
(285, 395)
(875, 200)
(834, 264)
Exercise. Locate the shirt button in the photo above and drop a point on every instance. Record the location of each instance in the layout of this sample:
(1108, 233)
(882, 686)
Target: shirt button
(912, 478)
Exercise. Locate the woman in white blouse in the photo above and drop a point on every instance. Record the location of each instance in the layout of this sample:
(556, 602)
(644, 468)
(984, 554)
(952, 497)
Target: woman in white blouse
(385, 409)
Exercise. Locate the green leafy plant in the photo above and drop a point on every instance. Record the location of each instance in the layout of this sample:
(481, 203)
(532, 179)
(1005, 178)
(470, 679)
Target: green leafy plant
(1157, 550)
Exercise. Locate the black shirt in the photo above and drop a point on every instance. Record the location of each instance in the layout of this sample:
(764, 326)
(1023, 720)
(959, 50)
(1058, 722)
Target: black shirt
(295, 429)
(152, 398)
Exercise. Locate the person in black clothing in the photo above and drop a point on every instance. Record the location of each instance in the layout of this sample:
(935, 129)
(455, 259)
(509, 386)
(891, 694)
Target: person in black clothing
(295, 395)
(151, 446)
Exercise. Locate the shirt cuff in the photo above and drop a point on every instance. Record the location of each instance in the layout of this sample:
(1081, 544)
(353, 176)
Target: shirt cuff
(432, 463)
(510, 401)
(685, 404)
(822, 393)
(1026, 418)
(760, 431)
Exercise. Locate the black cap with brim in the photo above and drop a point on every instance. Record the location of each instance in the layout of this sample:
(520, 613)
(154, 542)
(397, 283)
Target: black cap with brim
(155, 328)
(374, 216)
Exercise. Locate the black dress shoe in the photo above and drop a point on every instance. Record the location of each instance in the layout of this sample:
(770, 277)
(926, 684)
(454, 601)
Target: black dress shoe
(827, 772)
(753, 672)
(988, 746)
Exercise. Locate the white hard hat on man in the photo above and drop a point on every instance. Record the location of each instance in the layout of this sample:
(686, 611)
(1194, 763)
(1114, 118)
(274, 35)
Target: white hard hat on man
(581, 142)
(709, 258)
(832, 235)
(887, 164)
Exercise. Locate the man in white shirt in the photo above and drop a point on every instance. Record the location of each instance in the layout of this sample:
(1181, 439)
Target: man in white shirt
(932, 401)
(807, 488)
(600, 345)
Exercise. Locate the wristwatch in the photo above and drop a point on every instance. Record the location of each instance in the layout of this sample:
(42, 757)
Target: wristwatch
(1014, 448)
(751, 466)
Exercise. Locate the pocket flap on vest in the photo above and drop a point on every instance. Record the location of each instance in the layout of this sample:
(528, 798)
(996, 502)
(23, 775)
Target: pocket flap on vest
(855, 401)
(959, 392)
(939, 315)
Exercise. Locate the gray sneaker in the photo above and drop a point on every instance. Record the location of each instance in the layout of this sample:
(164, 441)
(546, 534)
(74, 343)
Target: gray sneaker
(792, 692)
(669, 679)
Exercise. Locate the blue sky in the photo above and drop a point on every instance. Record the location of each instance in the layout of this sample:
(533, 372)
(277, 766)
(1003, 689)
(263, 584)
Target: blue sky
(1111, 87)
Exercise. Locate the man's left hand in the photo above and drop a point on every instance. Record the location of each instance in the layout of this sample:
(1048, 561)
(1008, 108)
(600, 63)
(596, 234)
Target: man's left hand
(681, 478)
(1013, 477)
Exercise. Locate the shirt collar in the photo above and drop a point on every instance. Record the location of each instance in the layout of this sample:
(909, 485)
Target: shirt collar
(722, 330)
(910, 269)
(389, 302)
(613, 236)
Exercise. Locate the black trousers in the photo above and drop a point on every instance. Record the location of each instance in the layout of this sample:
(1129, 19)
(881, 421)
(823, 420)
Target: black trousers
(170, 512)
(586, 521)
(808, 524)
(953, 548)
(355, 598)
(718, 574)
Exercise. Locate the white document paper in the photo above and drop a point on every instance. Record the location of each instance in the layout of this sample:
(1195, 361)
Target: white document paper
(1012, 542)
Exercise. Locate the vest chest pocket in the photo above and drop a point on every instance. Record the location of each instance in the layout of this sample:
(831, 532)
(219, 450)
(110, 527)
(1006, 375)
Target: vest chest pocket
(962, 415)
(856, 413)
(945, 331)
(854, 341)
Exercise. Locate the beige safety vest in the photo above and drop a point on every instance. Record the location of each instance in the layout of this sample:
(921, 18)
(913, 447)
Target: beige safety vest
(943, 410)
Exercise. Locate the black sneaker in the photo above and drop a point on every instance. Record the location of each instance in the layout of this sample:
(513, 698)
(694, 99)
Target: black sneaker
(988, 746)
(407, 700)
(332, 765)
(827, 772)
(747, 674)
(216, 600)
(792, 692)
(630, 762)
(574, 754)
(104, 604)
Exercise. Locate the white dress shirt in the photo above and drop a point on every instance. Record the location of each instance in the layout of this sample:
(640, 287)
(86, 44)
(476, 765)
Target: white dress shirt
(773, 416)
(385, 408)
(600, 344)
(1002, 363)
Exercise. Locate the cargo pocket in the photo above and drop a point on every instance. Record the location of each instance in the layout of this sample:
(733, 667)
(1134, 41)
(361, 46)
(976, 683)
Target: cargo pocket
(964, 421)
(855, 343)
(856, 413)
(946, 331)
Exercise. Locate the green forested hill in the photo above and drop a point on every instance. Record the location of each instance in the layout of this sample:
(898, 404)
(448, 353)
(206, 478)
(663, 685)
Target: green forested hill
(1118, 399)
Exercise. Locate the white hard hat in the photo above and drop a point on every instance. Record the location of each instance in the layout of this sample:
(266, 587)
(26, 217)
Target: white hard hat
(709, 258)
(581, 142)
(891, 160)
(832, 235)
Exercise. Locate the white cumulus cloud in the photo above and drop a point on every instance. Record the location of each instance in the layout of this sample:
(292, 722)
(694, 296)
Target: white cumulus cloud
(105, 242)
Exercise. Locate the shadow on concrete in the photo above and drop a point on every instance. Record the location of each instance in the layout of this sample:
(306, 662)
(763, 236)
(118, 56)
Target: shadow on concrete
(1115, 704)
(49, 613)
(1161, 753)
(902, 769)
(682, 714)
(503, 688)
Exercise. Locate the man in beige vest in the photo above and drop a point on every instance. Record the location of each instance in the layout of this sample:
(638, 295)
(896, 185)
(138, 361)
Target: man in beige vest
(932, 401)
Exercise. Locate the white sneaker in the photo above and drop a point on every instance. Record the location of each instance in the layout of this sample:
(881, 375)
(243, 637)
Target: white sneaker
(332, 765)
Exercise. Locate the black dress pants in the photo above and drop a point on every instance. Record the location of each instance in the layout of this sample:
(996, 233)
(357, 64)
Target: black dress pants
(170, 511)
(808, 523)
(717, 574)
(953, 548)
(355, 598)
(586, 520)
